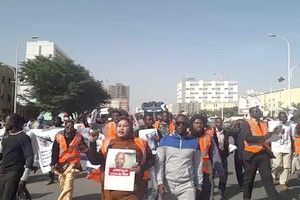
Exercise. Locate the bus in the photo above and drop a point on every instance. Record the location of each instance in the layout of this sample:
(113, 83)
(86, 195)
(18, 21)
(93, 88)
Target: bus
(156, 108)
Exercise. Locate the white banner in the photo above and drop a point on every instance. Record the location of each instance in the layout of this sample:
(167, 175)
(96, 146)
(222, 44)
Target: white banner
(45, 139)
(42, 142)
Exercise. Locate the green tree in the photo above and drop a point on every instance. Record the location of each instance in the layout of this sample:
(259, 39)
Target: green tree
(61, 85)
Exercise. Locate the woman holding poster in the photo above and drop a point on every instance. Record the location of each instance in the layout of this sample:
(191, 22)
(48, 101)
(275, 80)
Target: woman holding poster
(126, 182)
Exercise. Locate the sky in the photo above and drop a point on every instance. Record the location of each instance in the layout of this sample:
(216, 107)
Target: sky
(151, 45)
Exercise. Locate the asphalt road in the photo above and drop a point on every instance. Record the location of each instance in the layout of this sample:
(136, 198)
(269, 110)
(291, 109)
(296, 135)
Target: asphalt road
(89, 190)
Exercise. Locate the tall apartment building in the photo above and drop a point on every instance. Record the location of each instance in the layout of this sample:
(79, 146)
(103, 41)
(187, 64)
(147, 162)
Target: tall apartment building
(118, 91)
(119, 96)
(6, 88)
(39, 48)
(194, 95)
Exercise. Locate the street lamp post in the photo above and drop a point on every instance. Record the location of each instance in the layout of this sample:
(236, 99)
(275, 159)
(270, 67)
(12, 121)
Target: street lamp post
(222, 102)
(289, 64)
(17, 71)
(271, 99)
(293, 69)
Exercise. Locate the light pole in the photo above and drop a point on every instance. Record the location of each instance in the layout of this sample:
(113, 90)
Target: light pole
(271, 99)
(222, 102)
(289, 64)
(17, 71)
(297, 65)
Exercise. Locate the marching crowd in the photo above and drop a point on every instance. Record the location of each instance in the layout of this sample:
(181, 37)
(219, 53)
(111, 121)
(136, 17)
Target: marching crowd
(182, 162)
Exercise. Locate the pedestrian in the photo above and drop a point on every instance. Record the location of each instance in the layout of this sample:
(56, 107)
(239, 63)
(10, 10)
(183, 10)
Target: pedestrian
(257, 154)
(57, 123)
(210, 156)
(178, 164)
(221, 139)
(164, 125)
(124, 140)
(235, 132)
(110, 127)
(16, 152)
(39, 124)
(296, 156)
(282, 150)
(65, 162)
(148, 124)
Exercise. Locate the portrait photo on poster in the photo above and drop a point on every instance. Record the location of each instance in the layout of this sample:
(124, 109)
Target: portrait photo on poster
(120, 161)
(118, 169)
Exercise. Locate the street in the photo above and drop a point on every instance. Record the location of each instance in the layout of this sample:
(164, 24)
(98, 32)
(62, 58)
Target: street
(88, 189)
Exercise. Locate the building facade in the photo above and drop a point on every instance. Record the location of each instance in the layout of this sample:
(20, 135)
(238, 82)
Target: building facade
(119, 96)
(195, 95)
(119, 103)
(44, 48)
(39, 48)
(118, 91)
(278, 100)
(7, 86)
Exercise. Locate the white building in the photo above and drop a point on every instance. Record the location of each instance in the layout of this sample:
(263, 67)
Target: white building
(194, 95)
(44, 48)
(39, 48)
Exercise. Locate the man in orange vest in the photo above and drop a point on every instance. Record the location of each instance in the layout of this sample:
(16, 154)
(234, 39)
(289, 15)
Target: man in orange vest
(296, 158)
(257, 154)
(210, 156)
(110, 127)
(66, 158)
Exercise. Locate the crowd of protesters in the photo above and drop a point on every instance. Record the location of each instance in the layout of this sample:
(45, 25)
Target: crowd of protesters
(187, 155)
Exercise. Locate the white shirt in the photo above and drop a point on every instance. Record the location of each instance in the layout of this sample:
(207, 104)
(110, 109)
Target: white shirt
(221, 138)
(284, 145)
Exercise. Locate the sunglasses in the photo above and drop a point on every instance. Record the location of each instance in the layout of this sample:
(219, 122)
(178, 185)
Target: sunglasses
(183, 123)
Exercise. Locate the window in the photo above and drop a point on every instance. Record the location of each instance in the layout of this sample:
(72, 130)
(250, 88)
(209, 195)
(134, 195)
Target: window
(8, 98)
(3, 79)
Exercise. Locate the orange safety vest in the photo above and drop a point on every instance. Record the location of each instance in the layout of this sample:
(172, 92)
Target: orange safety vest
(171, 126)
(209, 131)
(142, 144)
(297, 145)
(69, 154)
(256, 130)
(205, 144)
(110, 130)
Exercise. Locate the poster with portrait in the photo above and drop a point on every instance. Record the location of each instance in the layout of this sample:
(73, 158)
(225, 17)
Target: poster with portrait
(148, 135)
(117, 169)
